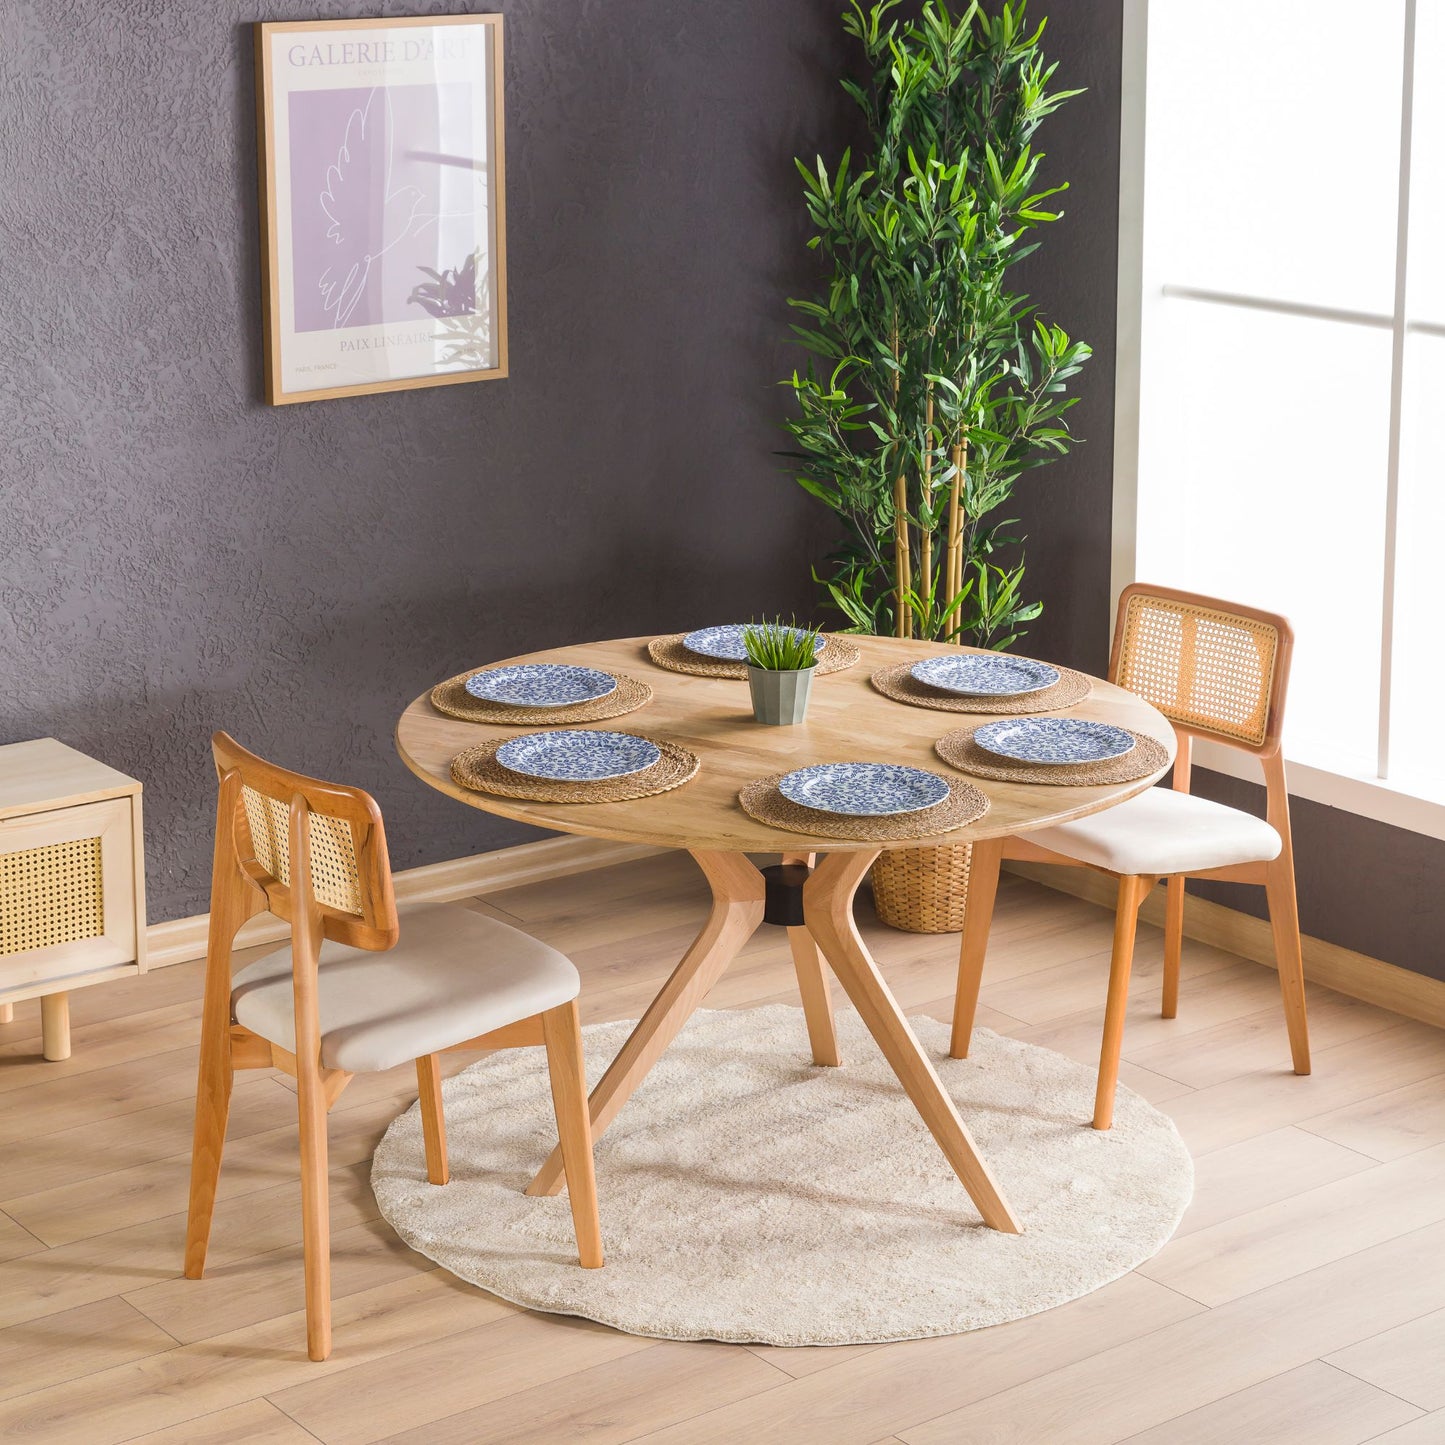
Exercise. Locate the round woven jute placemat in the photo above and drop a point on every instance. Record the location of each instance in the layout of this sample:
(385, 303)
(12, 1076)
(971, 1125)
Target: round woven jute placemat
(899, 683)
(959, 750)
(669, 652)
(762, 800)
(478, 769)
(452, 698)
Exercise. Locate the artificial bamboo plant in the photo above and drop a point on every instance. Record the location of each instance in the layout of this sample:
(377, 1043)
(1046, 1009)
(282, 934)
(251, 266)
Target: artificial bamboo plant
(932, 386)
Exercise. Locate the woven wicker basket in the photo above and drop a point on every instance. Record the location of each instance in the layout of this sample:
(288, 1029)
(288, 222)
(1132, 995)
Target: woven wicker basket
(921, 890)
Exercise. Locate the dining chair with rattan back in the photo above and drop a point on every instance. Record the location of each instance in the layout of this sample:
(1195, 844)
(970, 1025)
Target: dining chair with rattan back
(1219, 671)
(359, 989)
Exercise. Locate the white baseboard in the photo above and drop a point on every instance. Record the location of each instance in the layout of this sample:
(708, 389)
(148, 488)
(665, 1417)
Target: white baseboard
(1371, 980)
(184, 939)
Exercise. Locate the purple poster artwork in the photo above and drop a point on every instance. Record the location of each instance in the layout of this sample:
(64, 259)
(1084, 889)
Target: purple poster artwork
(388, 208)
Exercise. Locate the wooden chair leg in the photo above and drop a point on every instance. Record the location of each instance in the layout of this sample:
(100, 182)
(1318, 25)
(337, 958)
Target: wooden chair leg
(1284, 923)
(232, 902)
(433, 1121)
(213, 1107)
(1173, 944)
(983, 867)
(562, 1033)
(1132, 893)
(315, 1212)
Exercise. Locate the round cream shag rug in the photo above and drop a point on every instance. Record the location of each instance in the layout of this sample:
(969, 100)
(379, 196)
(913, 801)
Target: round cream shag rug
(749, 1195)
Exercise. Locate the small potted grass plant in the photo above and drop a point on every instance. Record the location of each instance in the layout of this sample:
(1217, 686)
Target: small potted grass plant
(782, 658)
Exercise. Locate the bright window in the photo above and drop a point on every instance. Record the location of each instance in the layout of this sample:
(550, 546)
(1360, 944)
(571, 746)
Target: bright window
(1290, 275)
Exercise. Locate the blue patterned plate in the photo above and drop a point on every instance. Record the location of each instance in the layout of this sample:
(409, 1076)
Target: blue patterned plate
(985, 674)
(541, 684)
(1054, 740)
(726, 643)
(864, 790)
(578, 756)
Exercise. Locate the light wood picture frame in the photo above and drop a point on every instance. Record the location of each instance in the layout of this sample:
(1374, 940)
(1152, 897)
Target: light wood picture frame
(382, 188)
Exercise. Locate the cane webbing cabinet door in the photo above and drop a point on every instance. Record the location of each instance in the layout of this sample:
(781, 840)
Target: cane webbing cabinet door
(72, 889)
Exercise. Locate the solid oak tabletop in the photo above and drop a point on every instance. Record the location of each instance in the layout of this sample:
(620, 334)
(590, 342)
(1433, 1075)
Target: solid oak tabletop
(848, 721)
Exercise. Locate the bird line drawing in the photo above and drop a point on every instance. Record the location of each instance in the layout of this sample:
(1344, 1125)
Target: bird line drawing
(348, 199)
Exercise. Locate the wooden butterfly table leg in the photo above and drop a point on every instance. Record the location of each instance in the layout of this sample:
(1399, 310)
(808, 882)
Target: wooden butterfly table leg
(737, 910)
(813, 988)
(828, 908)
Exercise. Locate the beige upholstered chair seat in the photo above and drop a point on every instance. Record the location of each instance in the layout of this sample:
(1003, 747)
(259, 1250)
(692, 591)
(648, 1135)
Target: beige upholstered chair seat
(1162, 832)
(454, 974)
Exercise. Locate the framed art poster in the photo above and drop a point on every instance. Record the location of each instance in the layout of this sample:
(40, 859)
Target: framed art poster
(383, 237)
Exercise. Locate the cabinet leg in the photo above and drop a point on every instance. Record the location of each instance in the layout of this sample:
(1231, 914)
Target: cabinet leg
(55, 1026)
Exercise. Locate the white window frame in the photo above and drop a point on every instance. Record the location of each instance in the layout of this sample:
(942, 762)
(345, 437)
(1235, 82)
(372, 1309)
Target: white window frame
(1369, 796)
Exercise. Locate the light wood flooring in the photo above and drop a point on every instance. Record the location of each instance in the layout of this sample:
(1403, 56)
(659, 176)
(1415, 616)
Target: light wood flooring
(1303, 1299)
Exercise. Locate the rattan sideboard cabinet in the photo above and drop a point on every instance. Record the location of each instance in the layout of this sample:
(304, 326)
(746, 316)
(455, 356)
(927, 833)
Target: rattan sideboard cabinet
(72, 886)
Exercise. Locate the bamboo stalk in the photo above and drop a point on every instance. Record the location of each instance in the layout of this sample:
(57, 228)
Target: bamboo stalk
(962, 503)
(925, 529)
(954, 566)
(902, 561)
(902, 557)
(960, 462)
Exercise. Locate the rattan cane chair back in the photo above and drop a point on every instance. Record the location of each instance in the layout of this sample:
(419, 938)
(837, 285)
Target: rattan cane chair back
(349, 870)
(1213, 668)
(334, 875)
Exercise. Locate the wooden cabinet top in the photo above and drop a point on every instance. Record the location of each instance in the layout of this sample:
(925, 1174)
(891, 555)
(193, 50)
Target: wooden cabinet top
(47, 774)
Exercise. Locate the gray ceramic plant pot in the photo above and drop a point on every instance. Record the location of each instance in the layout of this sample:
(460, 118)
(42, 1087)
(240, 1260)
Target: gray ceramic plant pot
(780, 698)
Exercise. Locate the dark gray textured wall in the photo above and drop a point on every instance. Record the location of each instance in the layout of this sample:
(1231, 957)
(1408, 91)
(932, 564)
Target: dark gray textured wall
(1362, 884)
(176, 557)
(1065, 508)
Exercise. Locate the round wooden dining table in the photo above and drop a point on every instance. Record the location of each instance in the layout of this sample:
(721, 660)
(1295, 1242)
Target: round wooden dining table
(847, 721)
